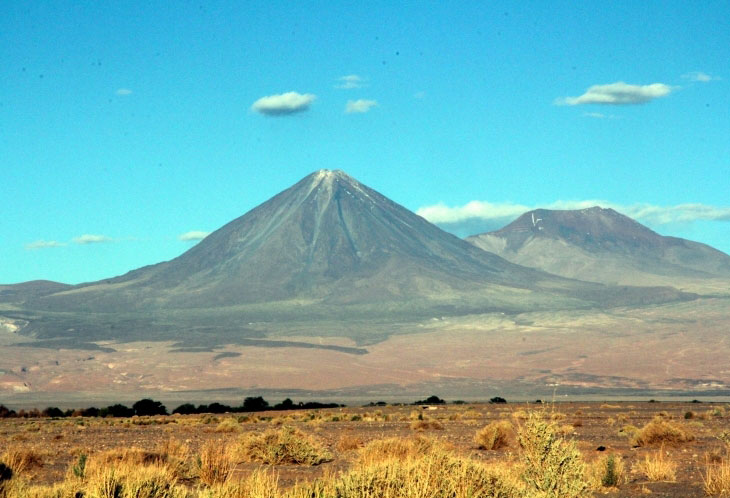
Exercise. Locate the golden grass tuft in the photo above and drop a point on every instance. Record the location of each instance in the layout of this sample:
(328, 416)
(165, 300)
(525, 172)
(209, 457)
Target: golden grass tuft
(348, 442)
(427, 423)
(286, 445)
(660, 431)
(716, 478)
(20, 460)
(607, 471)
(228, 424)
(215, 463)
(658, 466)
(496, 435)
(395, 448)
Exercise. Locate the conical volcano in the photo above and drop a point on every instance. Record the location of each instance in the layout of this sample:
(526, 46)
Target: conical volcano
(327, 248)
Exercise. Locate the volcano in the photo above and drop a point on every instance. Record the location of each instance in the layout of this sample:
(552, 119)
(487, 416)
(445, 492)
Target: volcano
(326, 249)
(602, 245)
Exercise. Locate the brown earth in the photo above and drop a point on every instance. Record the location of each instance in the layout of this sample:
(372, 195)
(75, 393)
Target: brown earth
(57, 443)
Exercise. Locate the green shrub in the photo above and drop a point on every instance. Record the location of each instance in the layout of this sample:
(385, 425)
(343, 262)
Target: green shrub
(553, 467)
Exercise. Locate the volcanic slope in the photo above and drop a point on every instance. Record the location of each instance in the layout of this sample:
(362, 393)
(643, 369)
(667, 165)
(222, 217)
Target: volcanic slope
(602, 245)
(327, 248)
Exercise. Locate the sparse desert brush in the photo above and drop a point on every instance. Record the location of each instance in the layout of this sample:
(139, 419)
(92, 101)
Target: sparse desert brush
(658, 466)
(552, 465)
(660, 431)
(259, 484)
(214, 463)
(496, 435)
(395, 448)
(435, 474)
(607, 471)
(132, 481)
(606, 406)
(622, 418)
(228, 424)
(282, 446)
(519, 415)
(611, 421)
(724, 436)
(348, 442)
(628, 430)
(427, 423)
(716, 478)
(557, 416)
(20, 460)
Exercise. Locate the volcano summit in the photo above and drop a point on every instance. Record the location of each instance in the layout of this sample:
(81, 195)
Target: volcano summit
(327, 248)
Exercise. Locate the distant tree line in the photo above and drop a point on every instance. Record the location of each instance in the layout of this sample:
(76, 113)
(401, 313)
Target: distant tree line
(147, 407)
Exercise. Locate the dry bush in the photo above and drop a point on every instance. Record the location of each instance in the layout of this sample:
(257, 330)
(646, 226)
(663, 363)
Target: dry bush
(215, 463)
(349, 442)
(395, 448)
(20, 460)
(660, 431)
(126, 480)
(552, 465)
(716, 479)
(426, 424)
(496, 435)
(606, 406)
(282, 446)
(259, 484)
(228, 424)
(658, 466)
(437, 474)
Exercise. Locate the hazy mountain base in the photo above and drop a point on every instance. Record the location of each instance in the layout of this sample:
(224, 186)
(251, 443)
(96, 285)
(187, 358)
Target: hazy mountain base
(671, 348)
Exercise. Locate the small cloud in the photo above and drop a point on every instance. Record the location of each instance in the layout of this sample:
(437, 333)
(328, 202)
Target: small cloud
(599, 115)
(700, 76)
(349, 82)
(618, 93)
(419, 95)
(359, 106)
(283, 104)
(91, 239)
(124, 91)
(193, 235)
(43, 244)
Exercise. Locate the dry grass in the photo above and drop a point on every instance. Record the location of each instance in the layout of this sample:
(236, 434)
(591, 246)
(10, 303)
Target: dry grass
(215, 464)
(20, 460)
(658, 466)
(716, 478)
(284, 446)
(427, 423)
(608, 471)
(395, 448)
(348, 442)
(496, 435)
(661, 431)
(228, 424)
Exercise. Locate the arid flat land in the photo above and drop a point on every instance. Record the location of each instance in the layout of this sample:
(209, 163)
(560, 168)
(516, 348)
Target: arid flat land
(673, 347)
(598, 429)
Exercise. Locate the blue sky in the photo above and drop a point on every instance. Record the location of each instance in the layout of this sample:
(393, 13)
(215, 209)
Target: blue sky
(124, 125)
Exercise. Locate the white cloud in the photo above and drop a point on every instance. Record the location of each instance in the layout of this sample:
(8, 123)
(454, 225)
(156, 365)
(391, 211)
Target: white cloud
(43, 244)
(124, 91)
(283, 104)
(193, 235)
(618, 93)
(350, 81)
(699, 76)
(476, 214)
(360, 105)
(91, 239)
